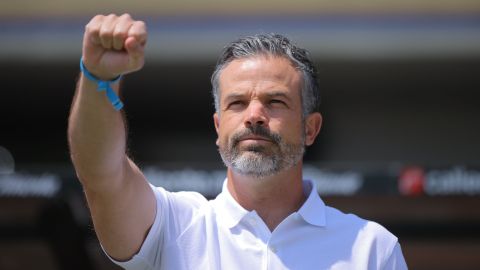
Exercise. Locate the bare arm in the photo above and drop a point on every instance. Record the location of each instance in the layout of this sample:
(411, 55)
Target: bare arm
(121, 202)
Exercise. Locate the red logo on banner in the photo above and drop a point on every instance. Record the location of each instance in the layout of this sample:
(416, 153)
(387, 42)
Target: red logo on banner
(411, 181)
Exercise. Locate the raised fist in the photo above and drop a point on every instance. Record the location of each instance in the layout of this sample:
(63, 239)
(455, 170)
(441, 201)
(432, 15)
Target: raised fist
(114, 45)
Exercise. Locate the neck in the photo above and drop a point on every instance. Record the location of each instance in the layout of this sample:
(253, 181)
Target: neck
(273, 198)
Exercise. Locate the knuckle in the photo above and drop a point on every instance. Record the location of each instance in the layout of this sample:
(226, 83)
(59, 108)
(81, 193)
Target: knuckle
(94, 23)
(91, 28)
(104, 33)
(126, 16)
(141, 24)
(98, 17)
(118, 34)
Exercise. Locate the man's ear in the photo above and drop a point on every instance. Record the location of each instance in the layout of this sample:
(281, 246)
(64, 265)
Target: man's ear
(216, 122)
(313, 124)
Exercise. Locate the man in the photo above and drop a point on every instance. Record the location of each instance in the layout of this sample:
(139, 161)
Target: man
(266, 217)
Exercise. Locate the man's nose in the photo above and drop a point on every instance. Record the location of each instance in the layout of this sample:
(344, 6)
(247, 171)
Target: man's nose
(256, 115)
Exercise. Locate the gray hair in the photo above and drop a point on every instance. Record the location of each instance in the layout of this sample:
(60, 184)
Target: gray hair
(276, 45)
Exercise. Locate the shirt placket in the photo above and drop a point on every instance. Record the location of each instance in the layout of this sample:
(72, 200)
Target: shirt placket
(263, 235)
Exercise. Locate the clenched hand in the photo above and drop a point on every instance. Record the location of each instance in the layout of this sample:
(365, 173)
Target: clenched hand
(114, 45)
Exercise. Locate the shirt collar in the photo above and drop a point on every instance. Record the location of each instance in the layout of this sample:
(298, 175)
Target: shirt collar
(312, 210)
(231, 212)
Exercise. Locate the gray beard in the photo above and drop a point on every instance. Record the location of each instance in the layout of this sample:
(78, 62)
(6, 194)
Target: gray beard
(261, 161)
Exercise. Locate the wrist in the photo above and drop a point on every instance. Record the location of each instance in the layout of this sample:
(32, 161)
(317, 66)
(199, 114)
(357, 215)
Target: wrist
(104, 85)
(96, 74)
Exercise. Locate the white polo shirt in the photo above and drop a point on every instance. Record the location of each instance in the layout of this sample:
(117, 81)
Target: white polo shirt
(190, 232)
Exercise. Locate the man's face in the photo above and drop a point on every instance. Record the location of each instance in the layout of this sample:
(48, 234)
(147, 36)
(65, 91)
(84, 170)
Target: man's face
(260, 127)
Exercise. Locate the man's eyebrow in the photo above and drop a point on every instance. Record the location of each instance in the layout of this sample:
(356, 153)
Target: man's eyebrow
(278, 94)
(233, 96)
(272, 94)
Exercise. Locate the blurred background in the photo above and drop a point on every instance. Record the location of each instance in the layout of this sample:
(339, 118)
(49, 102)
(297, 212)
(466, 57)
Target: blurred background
(400, 85)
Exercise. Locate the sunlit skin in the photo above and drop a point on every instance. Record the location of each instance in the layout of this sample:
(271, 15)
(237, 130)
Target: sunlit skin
(265, 90)
(121, 201)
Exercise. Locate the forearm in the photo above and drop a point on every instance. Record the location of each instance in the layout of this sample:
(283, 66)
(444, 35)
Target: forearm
(96, 136)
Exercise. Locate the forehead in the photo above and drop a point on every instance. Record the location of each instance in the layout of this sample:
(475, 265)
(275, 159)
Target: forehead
(258, 72)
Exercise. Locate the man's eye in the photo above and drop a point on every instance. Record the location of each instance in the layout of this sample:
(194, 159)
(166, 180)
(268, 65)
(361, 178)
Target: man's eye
(236, 104)
(277, 101)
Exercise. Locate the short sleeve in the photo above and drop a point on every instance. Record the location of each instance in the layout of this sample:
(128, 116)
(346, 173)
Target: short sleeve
(396, 261)
(149, 252)
(174, 213)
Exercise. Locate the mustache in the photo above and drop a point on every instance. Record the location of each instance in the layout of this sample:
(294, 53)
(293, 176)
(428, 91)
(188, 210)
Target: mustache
(257, 131)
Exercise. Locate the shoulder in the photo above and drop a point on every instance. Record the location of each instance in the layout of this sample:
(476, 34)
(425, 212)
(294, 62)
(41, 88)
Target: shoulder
(370, 243)
(351, 222)
(176, 210)
(364, 236)
(183, 200)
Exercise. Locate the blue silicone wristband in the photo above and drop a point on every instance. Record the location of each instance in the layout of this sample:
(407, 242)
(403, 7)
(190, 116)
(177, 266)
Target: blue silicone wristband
(104, 86)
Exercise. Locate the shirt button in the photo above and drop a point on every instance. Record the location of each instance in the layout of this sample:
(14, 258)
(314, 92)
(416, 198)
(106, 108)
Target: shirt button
(273, 249)
(252, 221)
